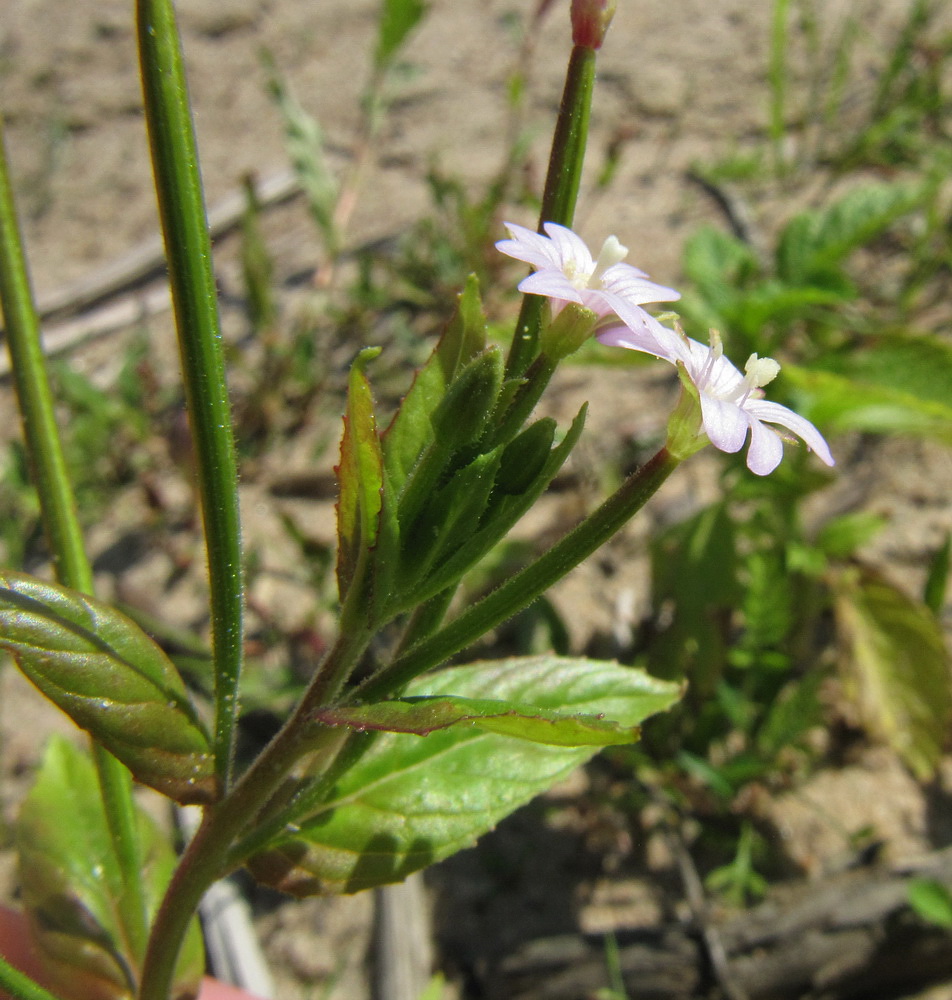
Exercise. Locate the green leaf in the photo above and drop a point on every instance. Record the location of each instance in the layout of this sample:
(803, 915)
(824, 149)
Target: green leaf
(360, 478)
(411, 430)
(447, 520)
(110, 678)
(457, 423)
(465, 337)
(899, 667)
(307, 150)
(694, 574)
(841, 403)
(931, 900)
(854, 220)
(937, 579)
(915, 364)
(73, 890)
(503, 511)
(397, 19)
(412, 800)
(841, 536)
(425, 715)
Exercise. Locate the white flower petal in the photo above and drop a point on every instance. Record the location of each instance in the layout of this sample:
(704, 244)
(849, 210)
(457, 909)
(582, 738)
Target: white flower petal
(574, 255)
(552, 284)
(641, 332)
(529, 246)
(725, 423)
(774, 413)
(633, 285)
(766, 449)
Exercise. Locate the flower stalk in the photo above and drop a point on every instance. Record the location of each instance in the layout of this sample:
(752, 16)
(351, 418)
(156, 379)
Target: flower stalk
(188, 249)
(561, 189)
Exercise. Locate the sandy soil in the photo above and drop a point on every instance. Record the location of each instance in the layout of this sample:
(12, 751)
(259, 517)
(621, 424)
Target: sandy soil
(678, 82)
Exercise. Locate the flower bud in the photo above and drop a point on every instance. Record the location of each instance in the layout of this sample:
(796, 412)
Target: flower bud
(590, 21)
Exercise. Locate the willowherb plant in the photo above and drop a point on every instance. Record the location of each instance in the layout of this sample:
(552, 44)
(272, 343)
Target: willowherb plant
(366, 781)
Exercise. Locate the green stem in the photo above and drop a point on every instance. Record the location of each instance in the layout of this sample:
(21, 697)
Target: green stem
(35, 399)
(523, 588)
(207, 856)
(561, 189)
(188, 249)
(58, 510)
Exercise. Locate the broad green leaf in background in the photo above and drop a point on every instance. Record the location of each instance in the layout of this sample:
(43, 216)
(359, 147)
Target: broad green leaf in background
(412, 800)
(359, 477)
(842, 403)
(841, 536)
(424, 715)
(110, 678)
(814, 244)
(895, 655)
(815, 241)
(73, 891)
(694, 573)
(917, 364)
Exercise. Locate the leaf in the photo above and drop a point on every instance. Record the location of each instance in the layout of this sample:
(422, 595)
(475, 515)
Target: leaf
(457, 423)
(78, 907)
(840, 403)
(841, 536)
(896, 657)
(397, 19)
(411, 800)
(465, 337)
(502, 512)
(424, 715)
(835, 232)
(111, 679)
(694, 591)
(307, 149)
(915, 364)
(447, 521)
(937, 578)
(931, 900)
(360, 478)
(411, 430)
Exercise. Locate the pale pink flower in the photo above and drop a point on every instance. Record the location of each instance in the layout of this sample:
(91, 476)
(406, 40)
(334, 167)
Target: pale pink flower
(731, 403)
(565, 271)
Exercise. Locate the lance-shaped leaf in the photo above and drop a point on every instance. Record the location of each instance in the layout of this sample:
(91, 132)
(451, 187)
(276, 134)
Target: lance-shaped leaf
(457, 424)
(448, 519)
(73, 891)
(425, 715)
(110, 678)
(505, 507)
(411, 430)
(412, 800)
(360, 478)
(896, 658)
